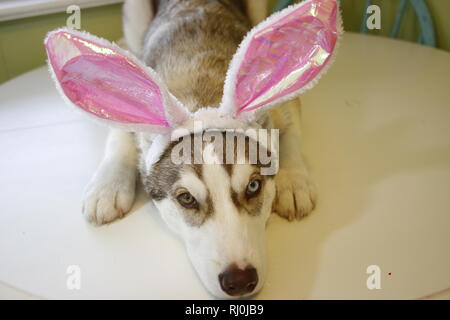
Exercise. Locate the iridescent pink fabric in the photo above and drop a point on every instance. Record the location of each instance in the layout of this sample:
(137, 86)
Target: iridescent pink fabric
(286, 55)
(103, 81)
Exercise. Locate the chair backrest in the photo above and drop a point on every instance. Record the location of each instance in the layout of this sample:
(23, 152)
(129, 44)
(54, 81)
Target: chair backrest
(281, 4)
(426, 33)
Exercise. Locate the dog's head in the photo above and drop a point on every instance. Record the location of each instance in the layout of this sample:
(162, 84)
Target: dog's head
(219, 208)
(219, 204)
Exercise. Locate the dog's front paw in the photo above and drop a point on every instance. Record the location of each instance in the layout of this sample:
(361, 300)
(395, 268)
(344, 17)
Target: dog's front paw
(296, 194)
(110, 194)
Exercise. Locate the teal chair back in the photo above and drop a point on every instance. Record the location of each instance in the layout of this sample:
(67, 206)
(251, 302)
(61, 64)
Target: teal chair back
(426, 33)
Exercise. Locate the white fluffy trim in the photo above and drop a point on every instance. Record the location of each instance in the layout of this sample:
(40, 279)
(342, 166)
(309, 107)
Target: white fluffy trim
(228, 105)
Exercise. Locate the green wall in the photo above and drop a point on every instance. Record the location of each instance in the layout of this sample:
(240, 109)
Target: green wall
(21, 41)
(21, 47)
(439, 9)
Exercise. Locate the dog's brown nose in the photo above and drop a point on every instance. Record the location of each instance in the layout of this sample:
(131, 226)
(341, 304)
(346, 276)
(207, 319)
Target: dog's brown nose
(237, 282)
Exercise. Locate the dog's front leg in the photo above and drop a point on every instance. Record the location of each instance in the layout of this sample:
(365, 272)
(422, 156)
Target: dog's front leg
(111, 191)
(296, 194)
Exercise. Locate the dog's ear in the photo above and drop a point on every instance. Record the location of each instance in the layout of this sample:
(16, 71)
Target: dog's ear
(105, 81)
(281, 57)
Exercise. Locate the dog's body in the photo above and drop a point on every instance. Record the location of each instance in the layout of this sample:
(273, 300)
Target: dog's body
(190, 44)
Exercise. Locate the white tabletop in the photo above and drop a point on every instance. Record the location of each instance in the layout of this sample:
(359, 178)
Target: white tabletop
(377, 140)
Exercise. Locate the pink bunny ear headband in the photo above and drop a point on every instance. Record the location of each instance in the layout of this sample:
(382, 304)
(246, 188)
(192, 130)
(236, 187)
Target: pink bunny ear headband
(279, 59)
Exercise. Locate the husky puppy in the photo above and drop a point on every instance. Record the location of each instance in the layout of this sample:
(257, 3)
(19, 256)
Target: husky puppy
(219, 210)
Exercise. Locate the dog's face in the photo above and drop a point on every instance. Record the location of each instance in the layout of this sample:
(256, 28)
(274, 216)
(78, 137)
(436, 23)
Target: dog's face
(220, 211)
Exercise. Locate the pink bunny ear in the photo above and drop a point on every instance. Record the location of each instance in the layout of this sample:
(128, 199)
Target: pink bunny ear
(282, 57)
(109, 83)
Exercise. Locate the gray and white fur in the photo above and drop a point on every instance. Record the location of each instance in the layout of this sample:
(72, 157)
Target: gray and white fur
(190, 44)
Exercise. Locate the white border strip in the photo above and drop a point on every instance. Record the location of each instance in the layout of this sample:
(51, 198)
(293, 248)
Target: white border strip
(17, 9)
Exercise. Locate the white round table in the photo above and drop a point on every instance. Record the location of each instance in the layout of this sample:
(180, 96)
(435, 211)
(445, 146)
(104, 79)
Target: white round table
(377, 141)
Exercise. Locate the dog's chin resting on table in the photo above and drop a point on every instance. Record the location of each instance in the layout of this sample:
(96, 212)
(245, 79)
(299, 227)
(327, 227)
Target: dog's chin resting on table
(197, 73)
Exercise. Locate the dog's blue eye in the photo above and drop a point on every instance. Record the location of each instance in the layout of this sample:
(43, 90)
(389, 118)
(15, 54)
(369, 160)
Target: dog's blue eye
(187, 200)
(253, 187)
